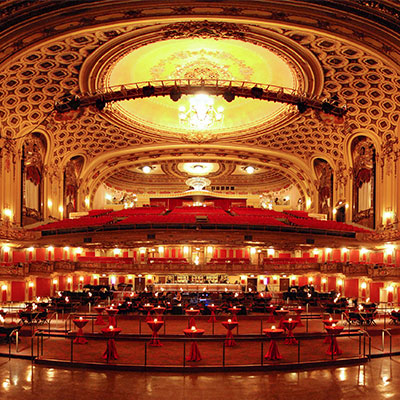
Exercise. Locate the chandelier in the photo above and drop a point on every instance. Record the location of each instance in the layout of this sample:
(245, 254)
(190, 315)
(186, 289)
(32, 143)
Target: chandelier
(198, 183)
(201, 114)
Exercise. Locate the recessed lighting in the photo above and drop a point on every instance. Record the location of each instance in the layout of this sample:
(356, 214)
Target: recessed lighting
(146, 169)
(249, 169)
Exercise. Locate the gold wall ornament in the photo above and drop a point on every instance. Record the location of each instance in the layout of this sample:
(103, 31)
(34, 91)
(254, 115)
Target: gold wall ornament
(204, 29)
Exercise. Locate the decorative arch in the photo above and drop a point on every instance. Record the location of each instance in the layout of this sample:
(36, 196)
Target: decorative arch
(363, 156)
(34, 150)
(294, 169)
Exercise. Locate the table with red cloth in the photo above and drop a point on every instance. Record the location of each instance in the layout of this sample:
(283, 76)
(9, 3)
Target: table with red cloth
(155, 325)
(229, 325)
(111, 351)
(289, 327)
(159, 311)
(281, 314)
(329, 322)
(212, 308)
(194, 354)
(99, 319)
(334, 331)
(149, 308)
(80, 323)
(273, 352)
(192, 312)
(112, 312)
(270, 310)
(299, 310)
(234, 310)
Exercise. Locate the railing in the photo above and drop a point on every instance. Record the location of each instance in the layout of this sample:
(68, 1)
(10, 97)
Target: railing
(387, 331)
(141, 357)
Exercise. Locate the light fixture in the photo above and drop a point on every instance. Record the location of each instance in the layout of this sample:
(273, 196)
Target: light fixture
(257, 92)
(198, 168)
(201, 114)
(302, 107)
(229, 95)
(6, 249)
(7, 212)
(30, 249)
(146, 169)
(249, 169)
(175, 94)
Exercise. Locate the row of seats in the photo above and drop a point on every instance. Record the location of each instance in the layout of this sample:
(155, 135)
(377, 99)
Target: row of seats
(326, 225)
(256, 211)
(187, 215)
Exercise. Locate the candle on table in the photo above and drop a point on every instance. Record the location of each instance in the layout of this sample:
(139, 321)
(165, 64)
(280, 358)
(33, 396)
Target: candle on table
(155, 319)
(273, 327)
(333, 325)
(290, 319)
(80, 318)
(111, 327)
(330, 319)
(193, 328)
(229, 320)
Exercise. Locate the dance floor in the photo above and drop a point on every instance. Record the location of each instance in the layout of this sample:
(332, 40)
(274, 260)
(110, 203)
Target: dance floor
(251, 346)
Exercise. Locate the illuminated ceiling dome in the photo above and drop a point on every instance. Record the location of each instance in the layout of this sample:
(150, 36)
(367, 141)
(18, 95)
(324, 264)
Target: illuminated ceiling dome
(196, 58)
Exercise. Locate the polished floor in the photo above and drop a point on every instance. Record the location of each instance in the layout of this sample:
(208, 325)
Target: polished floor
(378, 379)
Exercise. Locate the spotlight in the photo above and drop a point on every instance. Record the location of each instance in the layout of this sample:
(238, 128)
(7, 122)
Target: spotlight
(100, 103)
(229, 96)
(146, 169)
(74, 103)
(302, 107)
(175, 94)
(327, 107)
(148, 90)
(257, 92)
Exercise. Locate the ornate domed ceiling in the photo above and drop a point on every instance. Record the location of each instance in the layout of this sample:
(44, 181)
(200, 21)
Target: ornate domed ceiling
(196, 58)
(51, 48)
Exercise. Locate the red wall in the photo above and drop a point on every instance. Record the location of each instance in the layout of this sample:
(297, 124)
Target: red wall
(336, 253)
(43, 287)
(303, 280)
(351, 287)
(58, 253)
(40, 254)
(18, 256)
(62, 283)
(354, 256)
(331, 283)
(376, 257)
(17, 291)
(374, 291)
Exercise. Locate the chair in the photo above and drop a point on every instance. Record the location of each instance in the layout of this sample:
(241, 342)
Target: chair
(41, 317)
